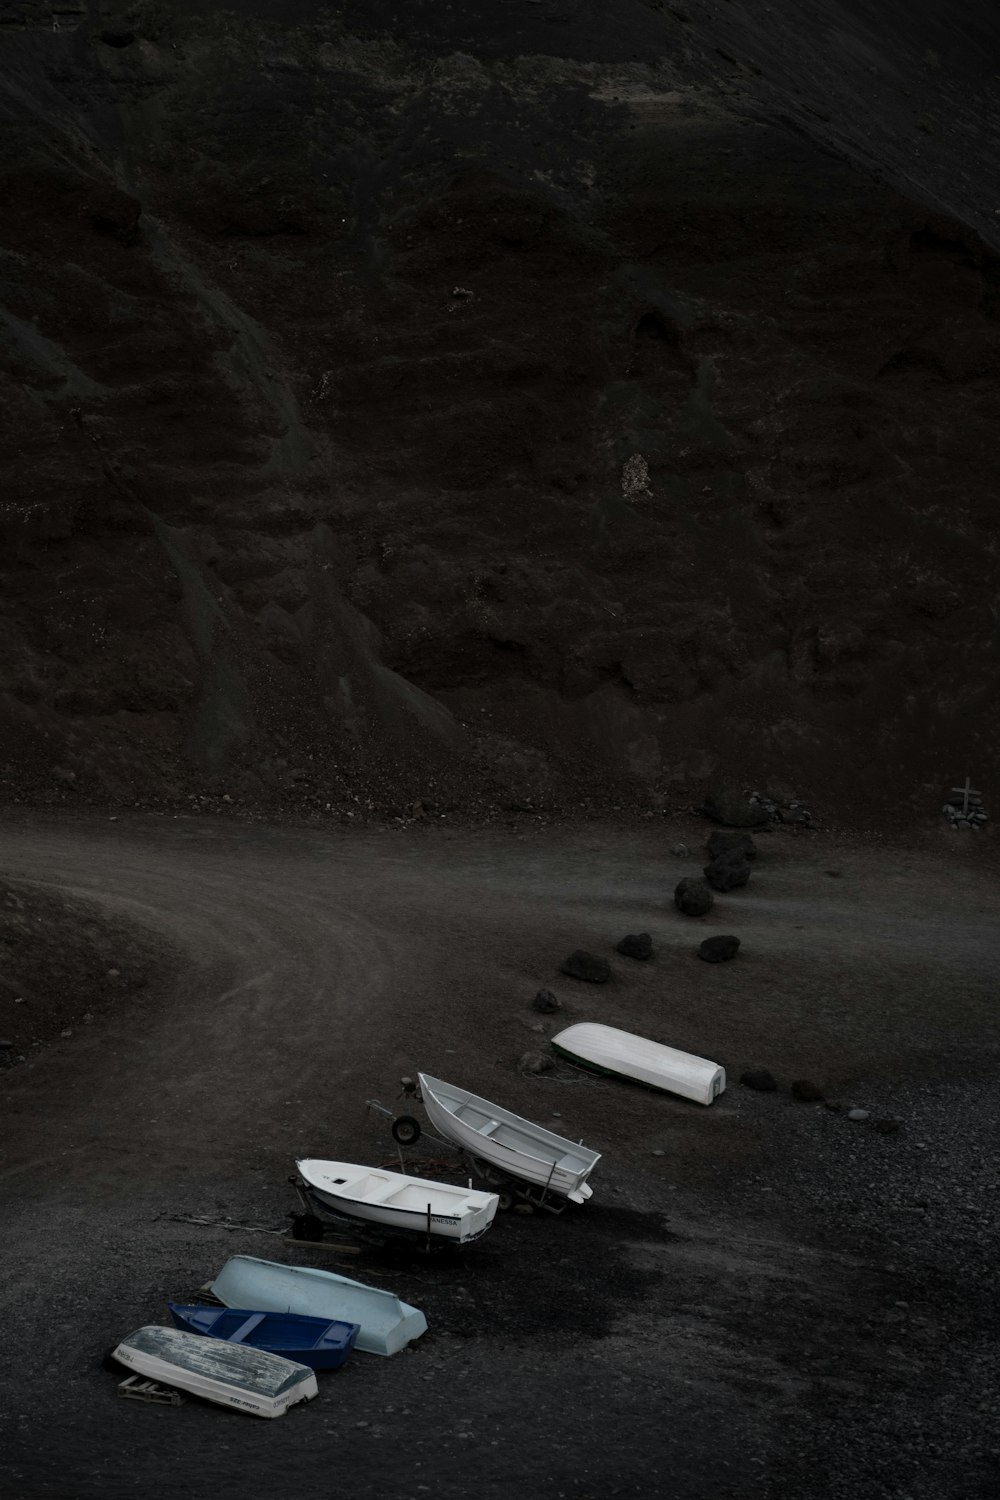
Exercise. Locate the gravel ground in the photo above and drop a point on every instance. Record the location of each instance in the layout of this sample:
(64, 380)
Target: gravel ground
(764, 1298)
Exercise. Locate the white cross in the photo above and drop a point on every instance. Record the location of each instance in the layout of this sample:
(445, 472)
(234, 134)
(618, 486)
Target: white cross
(966, 790)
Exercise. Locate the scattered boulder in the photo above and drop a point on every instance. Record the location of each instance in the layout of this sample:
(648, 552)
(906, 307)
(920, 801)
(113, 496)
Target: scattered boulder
(726, 805)
(806, 1091)
(759, 1079)
(583, 965)
(716, 950)
(545, 1003)
(535, 1062)
(858, 1114)
(720, 843)
(636, 945)
(727, 872)
(693, 897)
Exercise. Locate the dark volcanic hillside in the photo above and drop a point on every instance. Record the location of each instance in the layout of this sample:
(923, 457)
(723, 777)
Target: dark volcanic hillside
(497, 402)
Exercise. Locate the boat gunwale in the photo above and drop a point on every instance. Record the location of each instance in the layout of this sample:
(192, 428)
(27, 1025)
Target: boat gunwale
(540, 1131)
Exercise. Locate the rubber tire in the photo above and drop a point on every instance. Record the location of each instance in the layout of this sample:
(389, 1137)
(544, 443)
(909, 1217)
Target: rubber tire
(405, 1130)
(507, 1200)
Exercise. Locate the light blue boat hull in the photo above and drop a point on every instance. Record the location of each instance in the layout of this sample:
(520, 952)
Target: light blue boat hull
(386, 1324)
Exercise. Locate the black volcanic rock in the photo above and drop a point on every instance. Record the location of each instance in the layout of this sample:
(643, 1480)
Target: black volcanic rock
(693, 897)
(636, 945)
(721, 843)
(545, 1003)
(759, 1079)
(727, 872)
(588, 966)
(716, 950)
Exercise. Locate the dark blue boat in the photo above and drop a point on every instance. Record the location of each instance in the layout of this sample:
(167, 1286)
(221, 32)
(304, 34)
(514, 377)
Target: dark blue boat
(308, 1341)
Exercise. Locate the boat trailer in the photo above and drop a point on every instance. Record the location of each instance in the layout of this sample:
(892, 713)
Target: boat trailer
(407, 1130)
(317, 1218)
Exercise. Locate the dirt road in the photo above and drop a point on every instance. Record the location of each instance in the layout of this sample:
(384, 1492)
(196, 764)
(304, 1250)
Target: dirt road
(762, 1298)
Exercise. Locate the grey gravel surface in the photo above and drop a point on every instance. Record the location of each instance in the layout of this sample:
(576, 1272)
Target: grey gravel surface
(782, 1303)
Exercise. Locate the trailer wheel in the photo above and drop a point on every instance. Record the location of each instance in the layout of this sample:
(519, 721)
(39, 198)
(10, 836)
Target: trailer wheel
(405, 1130)
(506, 1200)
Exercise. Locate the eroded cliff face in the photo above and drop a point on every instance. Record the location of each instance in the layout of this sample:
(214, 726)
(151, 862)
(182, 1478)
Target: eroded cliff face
(496, 403)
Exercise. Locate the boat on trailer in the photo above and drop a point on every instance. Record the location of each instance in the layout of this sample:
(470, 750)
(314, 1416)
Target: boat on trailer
(320, 1343)
(498, 1140)
(235, 1375)
(396, 1201)
(604, 1049)
(385, 1324)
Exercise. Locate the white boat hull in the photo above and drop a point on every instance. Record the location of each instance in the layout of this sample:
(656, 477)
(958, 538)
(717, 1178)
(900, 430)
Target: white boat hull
(386, 1325)
(234, 1375)
(515, 1146)
(608, 1050)
(400, 1202)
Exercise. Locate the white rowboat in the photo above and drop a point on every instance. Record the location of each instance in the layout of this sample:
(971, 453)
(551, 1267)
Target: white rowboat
(235, 1375)
(504, 1140)
(380, 1197)
(386, 1325)
(608, 1050)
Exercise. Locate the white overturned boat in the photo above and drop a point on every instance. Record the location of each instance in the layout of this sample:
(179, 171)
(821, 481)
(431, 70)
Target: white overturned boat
(235, 1375)
(504, 1140)
(385, 1324)
(379, 1197)
(607, 1050)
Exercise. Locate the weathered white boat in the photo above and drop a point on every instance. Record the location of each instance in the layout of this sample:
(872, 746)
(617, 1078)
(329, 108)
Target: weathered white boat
(236, 1375)
(506, 1141)
(386, 1324)
(379, 1197)
(607, 1050)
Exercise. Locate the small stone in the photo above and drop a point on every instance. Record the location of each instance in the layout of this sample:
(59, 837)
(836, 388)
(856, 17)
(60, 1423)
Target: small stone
(858, 1114)
(113, 974)
(680, 851)
(807, 1092)
(20, 1000)
(658, 1152)
(226, 797)
(584, 965)
(545, 1003)
(716, 950)
(88, 1018)
(833, 1106)
(740, 844)
(535, 1062)
(693, 897)
(4, 1044)
(636, 945)
(67, 1032)
(759, 1079)
(728, 871)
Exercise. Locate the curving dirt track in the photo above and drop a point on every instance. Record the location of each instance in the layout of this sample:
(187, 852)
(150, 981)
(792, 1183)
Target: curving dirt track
(780, 1302)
